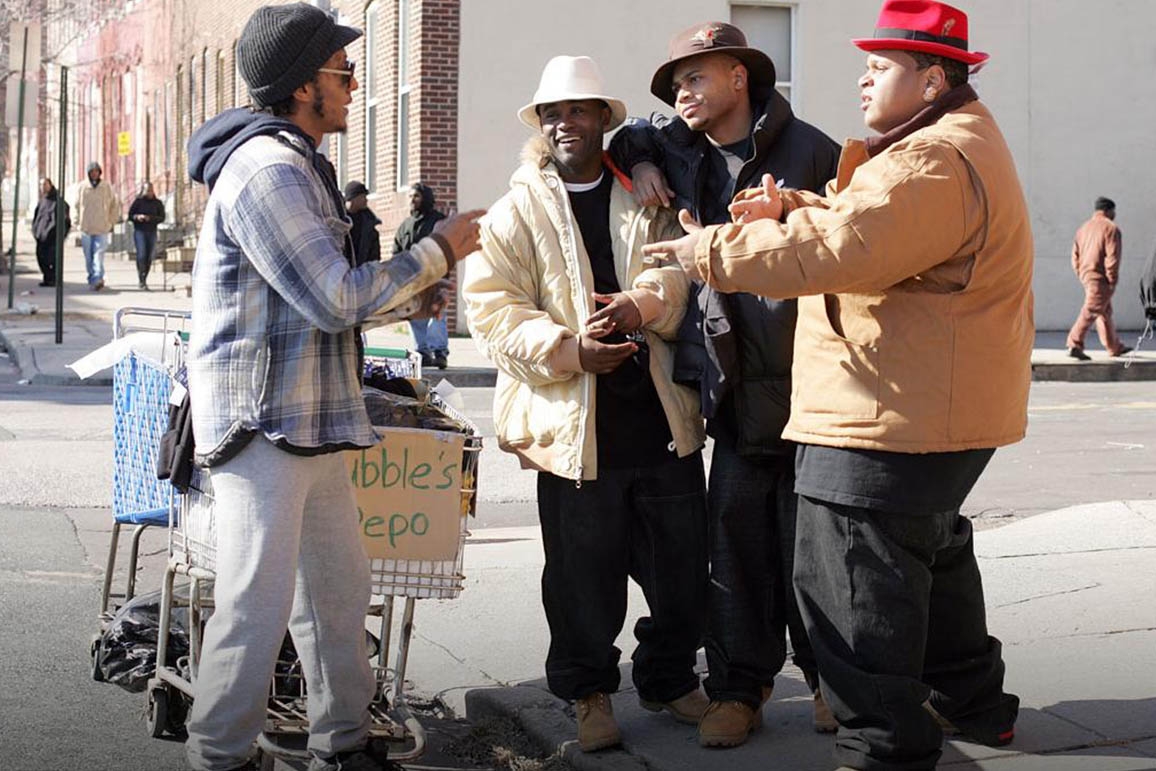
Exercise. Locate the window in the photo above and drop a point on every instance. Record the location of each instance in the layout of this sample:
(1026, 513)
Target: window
(204, 84)
(372, 93)
(191, 98)
(771, 29)
(240, 90)
(169, 124)
(128, 89)
(404, 90)
(221, 88)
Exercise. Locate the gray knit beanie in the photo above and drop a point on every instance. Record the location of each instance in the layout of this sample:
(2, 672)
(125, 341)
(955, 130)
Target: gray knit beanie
(282, 46)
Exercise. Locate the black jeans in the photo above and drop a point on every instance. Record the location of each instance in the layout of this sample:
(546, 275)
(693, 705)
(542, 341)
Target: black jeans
(648, 524)
(146, 247)
(751, 504)
(894, 607)
(46, 259)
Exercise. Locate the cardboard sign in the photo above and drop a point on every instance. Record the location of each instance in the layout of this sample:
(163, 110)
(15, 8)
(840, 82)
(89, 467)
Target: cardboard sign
(408, 491)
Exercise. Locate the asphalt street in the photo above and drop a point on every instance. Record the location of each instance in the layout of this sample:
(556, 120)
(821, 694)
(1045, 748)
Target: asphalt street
(1087, 442)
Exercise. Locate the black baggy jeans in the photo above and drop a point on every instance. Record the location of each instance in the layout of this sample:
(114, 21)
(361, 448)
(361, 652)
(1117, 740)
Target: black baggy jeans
(648, 524)
(751, 504)
(893, 604)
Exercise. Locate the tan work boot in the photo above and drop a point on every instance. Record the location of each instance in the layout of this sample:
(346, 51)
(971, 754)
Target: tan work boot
(824, 722)
(597, 728)
(727, 723)
(688, 708)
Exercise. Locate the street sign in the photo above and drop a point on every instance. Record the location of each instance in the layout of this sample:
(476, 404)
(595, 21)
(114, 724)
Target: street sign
(124, 143)
(12, 103)
(16, 58)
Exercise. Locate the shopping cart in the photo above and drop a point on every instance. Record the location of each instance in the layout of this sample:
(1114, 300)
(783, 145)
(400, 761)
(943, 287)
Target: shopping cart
(142, 387)
(192, 554)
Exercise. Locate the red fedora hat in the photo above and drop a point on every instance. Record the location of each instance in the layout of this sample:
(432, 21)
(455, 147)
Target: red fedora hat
(922, 25)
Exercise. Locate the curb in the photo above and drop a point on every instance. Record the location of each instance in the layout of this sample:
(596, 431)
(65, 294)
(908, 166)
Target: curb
(548, 723)
(462, 377)
(1095, 372)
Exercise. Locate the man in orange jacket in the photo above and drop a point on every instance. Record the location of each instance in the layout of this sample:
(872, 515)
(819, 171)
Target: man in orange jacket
(912, 364)
(1096, 262)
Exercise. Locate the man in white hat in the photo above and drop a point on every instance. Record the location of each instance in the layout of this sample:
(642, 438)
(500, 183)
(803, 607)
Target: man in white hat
(591, 406)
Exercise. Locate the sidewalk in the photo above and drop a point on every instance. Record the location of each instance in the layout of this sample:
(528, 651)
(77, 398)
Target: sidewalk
(30, 339)
(1070, 594)
(88, 315)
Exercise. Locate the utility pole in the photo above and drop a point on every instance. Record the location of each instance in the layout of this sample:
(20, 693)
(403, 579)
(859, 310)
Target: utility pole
(19, 150)
(61, 207)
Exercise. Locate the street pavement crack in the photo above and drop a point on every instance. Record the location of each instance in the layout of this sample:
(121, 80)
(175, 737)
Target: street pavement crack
(458, 659)
(1067, 553)
(1033, 598)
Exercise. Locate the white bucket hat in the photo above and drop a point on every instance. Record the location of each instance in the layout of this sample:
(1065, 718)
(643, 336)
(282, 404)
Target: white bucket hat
(570, 78)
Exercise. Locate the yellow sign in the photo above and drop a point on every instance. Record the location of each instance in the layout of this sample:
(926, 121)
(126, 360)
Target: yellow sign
(408, 491)
(124, 143)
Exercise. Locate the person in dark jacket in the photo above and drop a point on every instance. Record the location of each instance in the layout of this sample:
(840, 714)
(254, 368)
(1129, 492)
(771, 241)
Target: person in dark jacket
(44, 230)
(733, 128)
(429, 335)
(146, 212)
(366, 239)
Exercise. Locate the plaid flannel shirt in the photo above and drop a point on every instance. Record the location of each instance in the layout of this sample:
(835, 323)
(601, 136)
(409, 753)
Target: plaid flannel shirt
(275, 303)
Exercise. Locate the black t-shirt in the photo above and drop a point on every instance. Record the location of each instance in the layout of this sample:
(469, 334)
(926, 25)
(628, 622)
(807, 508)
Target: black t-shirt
(629, 422)
(721, 177)
(896, 482)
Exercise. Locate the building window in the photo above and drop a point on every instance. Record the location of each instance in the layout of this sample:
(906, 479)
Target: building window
(240, 91)
(221, 89)
(404, 92)
(191, 99)
(204, 84)
(128, 89)
(771, 29)
(170, 121)
(372, 93)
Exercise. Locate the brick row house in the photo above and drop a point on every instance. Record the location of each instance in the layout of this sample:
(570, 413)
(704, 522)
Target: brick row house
(157, 69)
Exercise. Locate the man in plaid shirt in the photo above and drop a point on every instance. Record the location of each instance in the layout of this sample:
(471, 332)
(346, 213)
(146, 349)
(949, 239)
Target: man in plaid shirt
(275, 391)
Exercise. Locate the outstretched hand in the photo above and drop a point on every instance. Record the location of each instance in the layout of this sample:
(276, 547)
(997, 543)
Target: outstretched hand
(619, 314)
(757, 203)
(681, 249)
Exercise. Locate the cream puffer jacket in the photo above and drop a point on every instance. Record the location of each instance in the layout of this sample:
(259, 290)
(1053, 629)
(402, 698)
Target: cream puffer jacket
(528, 293)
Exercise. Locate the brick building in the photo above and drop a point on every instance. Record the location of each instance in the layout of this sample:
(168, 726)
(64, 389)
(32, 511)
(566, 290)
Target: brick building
(157, 69)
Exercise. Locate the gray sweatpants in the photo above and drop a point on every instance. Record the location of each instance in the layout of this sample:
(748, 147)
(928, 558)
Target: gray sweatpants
(288, 553)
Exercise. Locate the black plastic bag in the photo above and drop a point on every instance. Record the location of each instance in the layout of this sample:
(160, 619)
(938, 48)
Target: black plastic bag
(126, 654)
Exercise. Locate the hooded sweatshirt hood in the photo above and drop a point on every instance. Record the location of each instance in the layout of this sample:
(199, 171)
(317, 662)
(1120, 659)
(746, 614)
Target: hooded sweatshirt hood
(211, 145)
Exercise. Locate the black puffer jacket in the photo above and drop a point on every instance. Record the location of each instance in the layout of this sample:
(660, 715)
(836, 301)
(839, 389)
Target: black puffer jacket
(736, 349)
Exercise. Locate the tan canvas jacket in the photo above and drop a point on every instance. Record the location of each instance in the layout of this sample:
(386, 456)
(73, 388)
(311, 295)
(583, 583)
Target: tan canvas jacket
(527, 295)
(914, 276)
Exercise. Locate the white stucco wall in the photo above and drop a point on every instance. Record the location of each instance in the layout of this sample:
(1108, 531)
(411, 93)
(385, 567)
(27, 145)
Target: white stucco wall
(1069, 82)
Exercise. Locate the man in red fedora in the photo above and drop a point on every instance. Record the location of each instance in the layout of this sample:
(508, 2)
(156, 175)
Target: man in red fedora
(735, 350)
(912, 364)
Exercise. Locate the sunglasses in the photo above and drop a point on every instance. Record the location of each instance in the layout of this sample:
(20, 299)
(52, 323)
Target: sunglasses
(345, 72)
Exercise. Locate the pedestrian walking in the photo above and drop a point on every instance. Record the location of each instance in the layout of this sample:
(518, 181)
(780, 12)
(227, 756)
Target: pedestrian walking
(97, 210)
(366, 239)
(430, 336)
(1096, 253)
(44, 231)
(733, 127)
(591, 406)
(912, 364)
(275, 392)
(146, 212)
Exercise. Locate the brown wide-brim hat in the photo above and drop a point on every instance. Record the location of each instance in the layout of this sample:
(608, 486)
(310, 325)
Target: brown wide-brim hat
(712, 37)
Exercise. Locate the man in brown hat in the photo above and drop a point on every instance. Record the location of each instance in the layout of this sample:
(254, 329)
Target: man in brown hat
(733, 128)
(912, 364)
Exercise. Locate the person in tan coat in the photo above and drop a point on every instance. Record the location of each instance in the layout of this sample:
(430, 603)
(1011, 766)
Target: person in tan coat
(1096, 262)
(588, 401)
(97, 210)
(912, 364)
